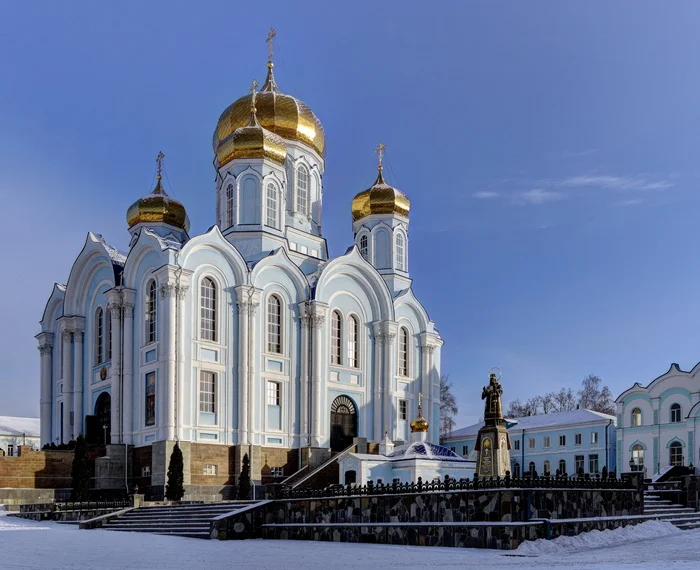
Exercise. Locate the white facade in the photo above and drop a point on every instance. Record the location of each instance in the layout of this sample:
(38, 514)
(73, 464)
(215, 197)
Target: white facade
(246, 334)
(659, 425)
(16, 431)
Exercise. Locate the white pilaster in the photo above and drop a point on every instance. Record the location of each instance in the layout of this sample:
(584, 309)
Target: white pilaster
(67, 337)
(247, 303)
(317, 316)
(128, 366)
(166, 417)
(303, 424)
(377, 380)
(387, 337)
(78, 416)
(45, 402)
(114, 307)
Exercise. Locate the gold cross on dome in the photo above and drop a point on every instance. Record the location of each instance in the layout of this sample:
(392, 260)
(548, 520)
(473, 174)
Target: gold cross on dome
(253, 88)
(254, 85)
(159, 160)
(380, 151)
(270, 42)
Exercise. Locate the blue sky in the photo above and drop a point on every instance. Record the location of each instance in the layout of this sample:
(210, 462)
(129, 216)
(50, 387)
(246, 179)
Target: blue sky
(549, 149)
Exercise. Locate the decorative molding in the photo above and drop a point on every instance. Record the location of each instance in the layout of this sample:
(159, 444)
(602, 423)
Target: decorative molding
(114, 309)
(45, 349)
(384, 338)
(78, 336)
(128, 309)
(247, 306)
(173, 290)
(315, 321)
(67, 336)
(429, 348)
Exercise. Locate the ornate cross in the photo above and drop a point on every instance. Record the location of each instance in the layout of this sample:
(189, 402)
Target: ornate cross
(159, 160)
(253, 88)
(420, 399)
(380, 151)
(270, 41)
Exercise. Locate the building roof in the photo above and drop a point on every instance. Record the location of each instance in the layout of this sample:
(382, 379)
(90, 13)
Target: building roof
(554, 419)
(10, 425)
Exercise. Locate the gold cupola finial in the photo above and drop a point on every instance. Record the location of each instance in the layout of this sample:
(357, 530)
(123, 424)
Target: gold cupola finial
(270, 84)
(420, 424)
(253, 110)
(380, 160)
(159, 186)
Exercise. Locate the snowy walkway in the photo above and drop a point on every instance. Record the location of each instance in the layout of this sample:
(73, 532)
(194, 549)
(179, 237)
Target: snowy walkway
(29, 544)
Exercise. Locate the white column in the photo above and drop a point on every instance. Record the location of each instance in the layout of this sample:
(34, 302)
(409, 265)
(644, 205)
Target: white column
(179, 383)
(243, 395)
(128, 374)
(303, 424)
(426, 380)
(45, 401)
(78, 417)
(388, 380)
(67, 337)
(377, 382)
(253, 356)
(168, 291)
(317, 318)
(115, 372)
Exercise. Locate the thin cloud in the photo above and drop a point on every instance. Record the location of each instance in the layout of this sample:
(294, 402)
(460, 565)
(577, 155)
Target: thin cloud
(485, 195)
(538, 196)
(617, 182)
(626, 203)
(577, 154)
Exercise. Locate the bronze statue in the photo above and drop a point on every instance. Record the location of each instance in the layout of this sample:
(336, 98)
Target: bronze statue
(493, 412)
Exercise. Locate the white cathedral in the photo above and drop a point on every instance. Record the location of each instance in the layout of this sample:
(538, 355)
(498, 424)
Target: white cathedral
(247, 335)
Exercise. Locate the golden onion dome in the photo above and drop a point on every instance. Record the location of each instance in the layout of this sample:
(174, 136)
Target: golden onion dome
(158, 207)
(420, 424)
(380, 199)
(278, 112)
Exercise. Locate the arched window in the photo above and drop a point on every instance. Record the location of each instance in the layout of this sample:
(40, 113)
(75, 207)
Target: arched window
(151, 311)
(675, 454)
(547, 467)
(636, 417)
(675, 413)
(531, 468)
(400, 252)
(207, 311)
(271, 206)
(364, 248)
(516, 470)
(403, 351)
(99, 334)
(335, 338)
(302, 190)
(638, 455)
(229, 205)
(108, 334)
(562, 466)
(353, 342)
(274, 324)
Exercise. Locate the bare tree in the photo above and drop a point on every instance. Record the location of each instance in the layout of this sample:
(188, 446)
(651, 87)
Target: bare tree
(564, 400)
(448, 406)
(592, 397)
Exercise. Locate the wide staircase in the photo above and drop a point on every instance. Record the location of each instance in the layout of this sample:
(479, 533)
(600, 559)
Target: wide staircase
(665, 509)
(192, 519)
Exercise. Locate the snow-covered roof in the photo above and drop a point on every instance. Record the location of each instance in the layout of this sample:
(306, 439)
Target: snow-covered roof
(425, 450)
(554, 419)
(10, 425)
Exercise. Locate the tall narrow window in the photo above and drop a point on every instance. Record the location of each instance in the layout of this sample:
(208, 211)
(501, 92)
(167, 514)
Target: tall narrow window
(403, 351)
(335, 337)
(547, 467)
(271, 208)
(151, 300)
(675, 454)
(400, 252)
(562, 466)
(274, 324)
(99, 334)
(403, 410)
(229, 205)
(675, 413)
(207, 392)
(636, 417)
(638, 456)
(353, 342)
(150, 399)
(364, 249)
(108, 339)
(208, 309)
(274, 408)
(302, 190)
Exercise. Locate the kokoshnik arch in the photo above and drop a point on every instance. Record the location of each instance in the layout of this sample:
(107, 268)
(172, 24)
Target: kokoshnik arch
(246, 335)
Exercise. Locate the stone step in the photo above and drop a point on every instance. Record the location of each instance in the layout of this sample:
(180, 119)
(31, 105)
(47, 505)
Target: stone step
(146, 518)
(160, 528)
(184, 533)
(669, 509)
(688, 526)
(118, 522)
(211, 513)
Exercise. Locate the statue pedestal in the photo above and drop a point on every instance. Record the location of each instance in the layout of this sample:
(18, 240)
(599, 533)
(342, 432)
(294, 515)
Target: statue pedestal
(493, 445)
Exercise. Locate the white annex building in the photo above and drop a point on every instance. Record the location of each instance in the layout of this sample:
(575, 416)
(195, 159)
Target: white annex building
(246, 335)
(659, 425)
(15, 432)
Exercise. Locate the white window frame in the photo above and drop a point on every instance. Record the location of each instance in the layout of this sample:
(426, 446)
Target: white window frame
(336, 338)
(516, 444)
(208, 299)
(562, 441)
(151, 312)
(99, 335)
(465, 450)
(676, 413)
(636, 417)
(531, 443)
(274, 324)
(403, 347)
(303, 187)
(594, 438)
(271, 206)
(364, 247)
(230, 196)
(207, 391)
(353, 341)
(274, 393)
(578, 439)
(403, 410)
(545, 442)
(211, 469)
(400, 245)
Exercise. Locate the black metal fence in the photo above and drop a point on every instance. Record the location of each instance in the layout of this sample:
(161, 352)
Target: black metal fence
(450, 484)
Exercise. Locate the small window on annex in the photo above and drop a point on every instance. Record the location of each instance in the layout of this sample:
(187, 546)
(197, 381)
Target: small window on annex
(638, 455)
(562, 466)
(675, 413)
(675, 454)
(547, 468)
(636, 417)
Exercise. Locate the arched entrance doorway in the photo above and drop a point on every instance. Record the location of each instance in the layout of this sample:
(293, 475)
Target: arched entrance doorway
(103, 411)
(343, 423)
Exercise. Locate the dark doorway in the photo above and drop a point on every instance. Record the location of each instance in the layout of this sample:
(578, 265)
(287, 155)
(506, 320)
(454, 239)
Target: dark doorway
(103, 411)
(350, 477)
(343, 423)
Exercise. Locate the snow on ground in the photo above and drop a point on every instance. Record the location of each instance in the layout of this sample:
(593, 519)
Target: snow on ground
(34, 545)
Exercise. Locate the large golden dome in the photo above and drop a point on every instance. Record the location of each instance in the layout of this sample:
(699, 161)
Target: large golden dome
(278, 112)
(380, 199)
(158, 207)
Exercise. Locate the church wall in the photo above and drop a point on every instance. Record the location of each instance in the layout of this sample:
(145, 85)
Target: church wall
(223, 457)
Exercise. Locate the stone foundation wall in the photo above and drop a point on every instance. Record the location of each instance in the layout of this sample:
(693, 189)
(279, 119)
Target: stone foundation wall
(221, 456)
(36, 469)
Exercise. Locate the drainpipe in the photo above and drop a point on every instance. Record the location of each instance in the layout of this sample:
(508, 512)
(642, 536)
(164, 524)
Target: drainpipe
(607, 451)
(522, 453)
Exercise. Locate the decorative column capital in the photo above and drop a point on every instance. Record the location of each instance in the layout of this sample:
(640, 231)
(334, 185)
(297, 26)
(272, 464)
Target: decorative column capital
(67, 336)
(384, 337)
(428, 348)
(45, 349)
(313, 316)
(128, 309)
(114, 310)
(173, 290)
(248, 307)
(78, 336)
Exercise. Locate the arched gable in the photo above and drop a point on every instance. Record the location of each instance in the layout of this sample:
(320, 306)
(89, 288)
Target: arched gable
(215, 241)
(147, 242)
(407, 299)
(53, 308)
(353, 265)
(673, 440)
(665, 382)
(95, 255)
(637, 442)
(280, 260)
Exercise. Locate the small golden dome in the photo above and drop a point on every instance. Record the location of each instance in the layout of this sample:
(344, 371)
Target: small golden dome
(158, 207)
(420, 424)
(278, 112)
(380, 199)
